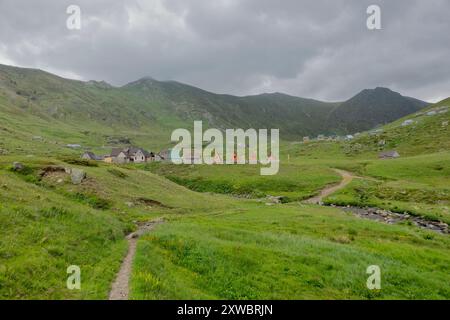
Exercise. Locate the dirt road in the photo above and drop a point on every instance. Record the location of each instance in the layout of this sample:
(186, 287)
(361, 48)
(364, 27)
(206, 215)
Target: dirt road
(347, 177)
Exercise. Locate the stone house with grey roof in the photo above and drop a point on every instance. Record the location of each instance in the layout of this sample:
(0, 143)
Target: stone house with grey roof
(88, 155)
(130, 155)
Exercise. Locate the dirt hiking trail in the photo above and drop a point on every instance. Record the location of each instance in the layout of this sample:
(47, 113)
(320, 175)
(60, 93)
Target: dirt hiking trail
(120, 287)
(347, 177)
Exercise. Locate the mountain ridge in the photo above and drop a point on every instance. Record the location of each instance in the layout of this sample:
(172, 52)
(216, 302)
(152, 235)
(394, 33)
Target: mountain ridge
(153, 108)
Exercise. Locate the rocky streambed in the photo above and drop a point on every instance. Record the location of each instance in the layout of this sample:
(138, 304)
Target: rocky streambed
(394, 217)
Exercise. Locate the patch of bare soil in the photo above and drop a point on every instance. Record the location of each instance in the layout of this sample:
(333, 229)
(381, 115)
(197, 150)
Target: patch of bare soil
(54, 174)
(151, 203)
(47, 171)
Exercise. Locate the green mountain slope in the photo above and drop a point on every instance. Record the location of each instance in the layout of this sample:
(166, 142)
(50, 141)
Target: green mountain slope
(292, 115)
(423, 132)
(95, 114)
(260, 251)
(371, 108)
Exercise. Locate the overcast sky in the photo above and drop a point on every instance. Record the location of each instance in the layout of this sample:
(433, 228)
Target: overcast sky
(320, 49)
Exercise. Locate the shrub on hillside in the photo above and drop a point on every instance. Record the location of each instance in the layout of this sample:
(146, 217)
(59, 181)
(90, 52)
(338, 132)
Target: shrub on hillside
(80, 162)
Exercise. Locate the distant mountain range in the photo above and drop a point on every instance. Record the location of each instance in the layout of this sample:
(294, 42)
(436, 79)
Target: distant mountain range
(294, 116)
(154, 108)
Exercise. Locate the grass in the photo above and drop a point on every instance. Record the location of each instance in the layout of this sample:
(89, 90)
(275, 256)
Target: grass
(215, 243)
(294, 182)
(43, 233)
(216, 246)
(418, 185)
(294, 251)
(426, 135)
(288, 252)
(48, 224)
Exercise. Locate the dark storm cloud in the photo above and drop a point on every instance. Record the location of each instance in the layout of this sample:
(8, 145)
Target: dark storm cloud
(320, 49)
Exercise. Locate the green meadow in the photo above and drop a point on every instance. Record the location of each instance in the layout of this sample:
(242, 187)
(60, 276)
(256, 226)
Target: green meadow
(298, 251)
(417, 185)
(48, 224)
(222, 238)
(288, 252)
(294, 182)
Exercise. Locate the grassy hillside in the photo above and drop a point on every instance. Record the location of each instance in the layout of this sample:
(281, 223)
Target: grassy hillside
(297, 251)
(61, 111)
(371, 108)
(292, 115)
(144, 112)
(220, 238)
(429, 132)
(48, 224)
(418, 182)
(417, 185)
(215, 246)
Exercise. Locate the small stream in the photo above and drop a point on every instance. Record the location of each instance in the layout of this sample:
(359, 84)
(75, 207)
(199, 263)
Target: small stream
(394, 217)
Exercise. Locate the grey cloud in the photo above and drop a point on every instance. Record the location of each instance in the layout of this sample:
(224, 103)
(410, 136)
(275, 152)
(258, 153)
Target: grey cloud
(319, 49)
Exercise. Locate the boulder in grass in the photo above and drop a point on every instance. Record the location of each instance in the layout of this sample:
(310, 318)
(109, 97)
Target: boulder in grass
(17, 166)
(274, 200)
(77, 176)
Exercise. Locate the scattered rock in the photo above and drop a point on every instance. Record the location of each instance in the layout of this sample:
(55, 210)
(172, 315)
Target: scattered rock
(390, 217)
(129, 204)
(73, 146)
(17, 166)
(77, 176)
(407, 122)
(274, 199)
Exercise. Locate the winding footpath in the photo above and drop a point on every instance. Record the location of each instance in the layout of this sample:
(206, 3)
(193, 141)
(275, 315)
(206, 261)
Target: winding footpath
(376, 213)
(120, 288)
(347, 177)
